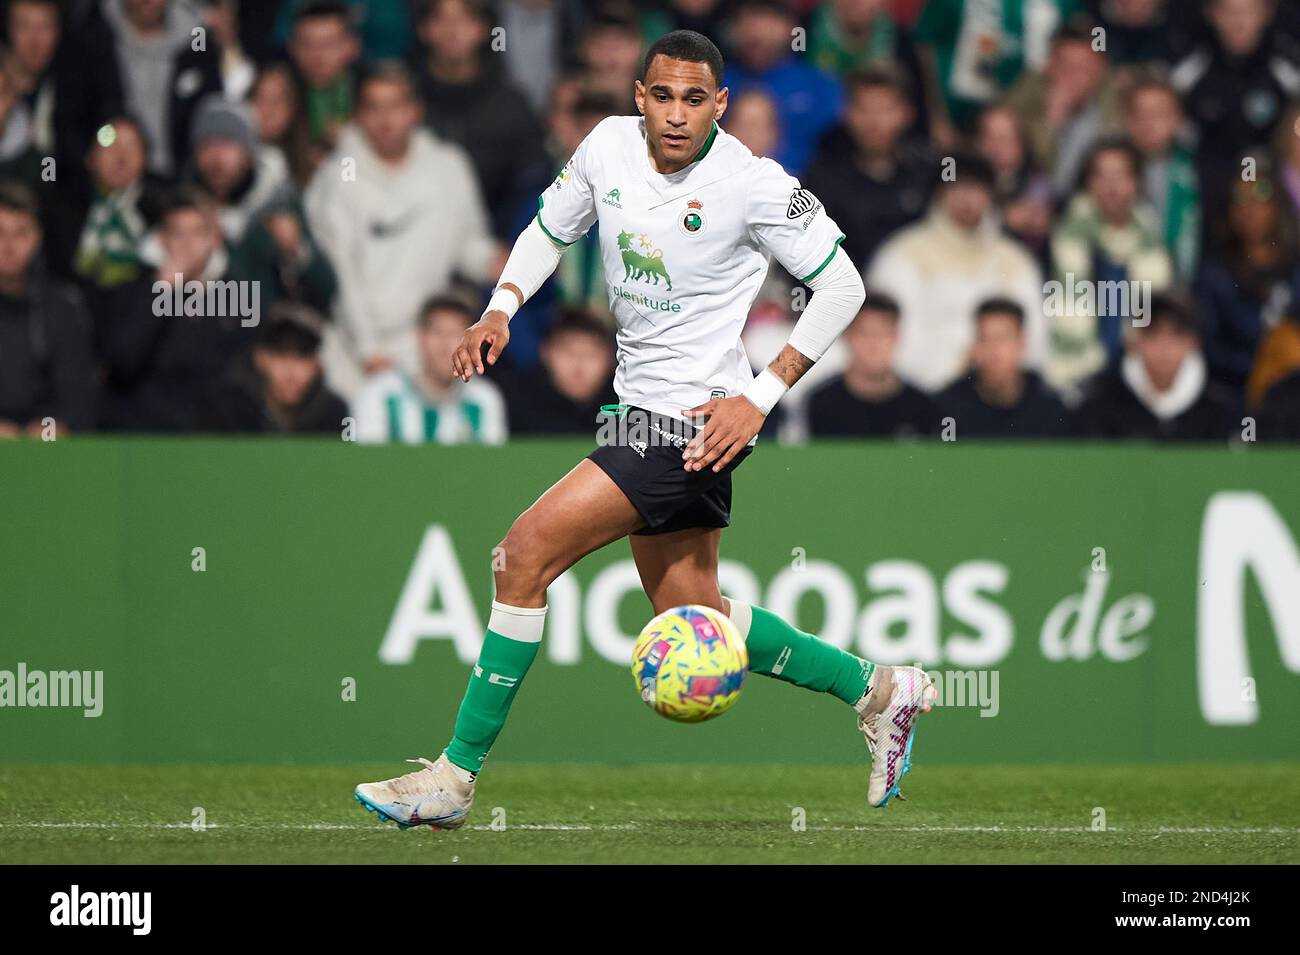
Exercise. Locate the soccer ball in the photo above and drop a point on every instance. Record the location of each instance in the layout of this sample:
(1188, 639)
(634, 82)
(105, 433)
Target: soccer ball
(689, 664)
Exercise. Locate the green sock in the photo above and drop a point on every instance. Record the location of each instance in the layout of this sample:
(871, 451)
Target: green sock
(777, 649)
(502, 663)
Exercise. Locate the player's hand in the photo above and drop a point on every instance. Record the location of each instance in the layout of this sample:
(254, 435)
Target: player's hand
(731, 423)
(494, 329)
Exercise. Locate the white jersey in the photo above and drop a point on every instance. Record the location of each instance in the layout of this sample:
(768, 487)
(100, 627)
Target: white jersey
(684, 254)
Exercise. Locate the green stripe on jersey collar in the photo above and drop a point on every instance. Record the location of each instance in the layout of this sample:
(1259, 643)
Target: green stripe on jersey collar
(708, 143)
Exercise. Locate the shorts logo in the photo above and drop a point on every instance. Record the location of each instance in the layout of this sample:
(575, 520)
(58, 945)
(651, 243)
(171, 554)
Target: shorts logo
(801, 202)
(676, 440)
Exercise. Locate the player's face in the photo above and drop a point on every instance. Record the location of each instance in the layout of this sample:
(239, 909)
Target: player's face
(999, 348)
(680, 101)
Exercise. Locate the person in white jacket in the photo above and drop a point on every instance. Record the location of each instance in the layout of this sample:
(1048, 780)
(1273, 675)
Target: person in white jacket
(398, 211)
(941, 268)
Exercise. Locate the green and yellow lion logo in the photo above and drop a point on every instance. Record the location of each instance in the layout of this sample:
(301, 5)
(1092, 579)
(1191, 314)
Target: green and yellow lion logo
(649, 267)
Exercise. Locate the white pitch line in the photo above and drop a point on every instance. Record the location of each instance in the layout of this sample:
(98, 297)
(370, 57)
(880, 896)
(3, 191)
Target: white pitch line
(883, 829)
(305, 827)
(1141, 830)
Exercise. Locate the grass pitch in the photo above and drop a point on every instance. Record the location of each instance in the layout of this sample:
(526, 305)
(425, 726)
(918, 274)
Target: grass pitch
(1245, 813)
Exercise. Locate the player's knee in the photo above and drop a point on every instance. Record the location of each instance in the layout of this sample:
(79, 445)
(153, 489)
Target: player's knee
(521, 562)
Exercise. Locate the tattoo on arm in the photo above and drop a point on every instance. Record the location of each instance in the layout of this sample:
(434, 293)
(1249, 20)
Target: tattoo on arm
(790, 365)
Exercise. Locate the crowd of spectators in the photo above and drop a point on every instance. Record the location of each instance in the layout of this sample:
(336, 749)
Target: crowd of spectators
(280, 216)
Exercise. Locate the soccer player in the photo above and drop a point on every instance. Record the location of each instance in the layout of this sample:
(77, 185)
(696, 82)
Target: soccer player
(689, 220)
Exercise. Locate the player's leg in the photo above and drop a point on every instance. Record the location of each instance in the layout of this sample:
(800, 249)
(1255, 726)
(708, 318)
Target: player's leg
(580, 513)
(681, 567)
(886, 699)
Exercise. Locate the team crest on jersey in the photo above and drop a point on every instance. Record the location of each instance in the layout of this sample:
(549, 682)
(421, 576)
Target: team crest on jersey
(645, 264)
(691, 221)
(801, 202)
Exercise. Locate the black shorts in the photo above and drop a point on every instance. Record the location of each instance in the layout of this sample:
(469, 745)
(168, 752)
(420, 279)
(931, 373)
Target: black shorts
(645, 460)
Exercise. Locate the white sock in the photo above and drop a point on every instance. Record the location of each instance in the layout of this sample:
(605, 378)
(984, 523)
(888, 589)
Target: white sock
(517, 623)
(742, 615)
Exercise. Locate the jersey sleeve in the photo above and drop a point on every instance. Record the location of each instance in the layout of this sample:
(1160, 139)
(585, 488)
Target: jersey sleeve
(567, 208)
(789, 222)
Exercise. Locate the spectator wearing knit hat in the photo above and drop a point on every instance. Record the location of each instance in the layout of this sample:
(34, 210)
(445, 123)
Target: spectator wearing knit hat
(261, 222)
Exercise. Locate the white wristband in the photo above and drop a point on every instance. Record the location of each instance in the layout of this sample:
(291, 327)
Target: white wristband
(766, 390)
(503, 300)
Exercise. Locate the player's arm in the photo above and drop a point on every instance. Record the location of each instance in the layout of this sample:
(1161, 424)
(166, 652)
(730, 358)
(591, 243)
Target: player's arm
(789, 222)
(531, 262)
(565, 211)
(838, 293)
